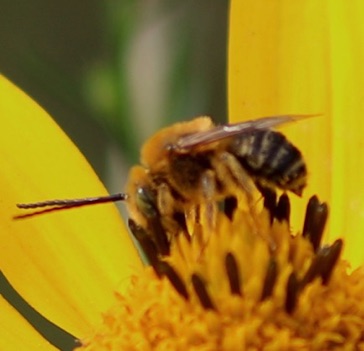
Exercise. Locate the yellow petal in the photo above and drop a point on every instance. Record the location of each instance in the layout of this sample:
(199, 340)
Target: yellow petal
(303, 57)
(68, 263)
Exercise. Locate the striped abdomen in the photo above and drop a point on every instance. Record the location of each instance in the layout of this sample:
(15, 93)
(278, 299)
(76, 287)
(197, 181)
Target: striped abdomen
(271, 159)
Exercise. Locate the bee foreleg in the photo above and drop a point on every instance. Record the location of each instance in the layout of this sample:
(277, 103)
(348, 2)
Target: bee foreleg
(165, 200)
(171, 211)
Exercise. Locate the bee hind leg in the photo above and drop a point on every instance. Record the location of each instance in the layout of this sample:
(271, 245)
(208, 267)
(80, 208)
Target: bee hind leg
(233, 176)
(209, 207)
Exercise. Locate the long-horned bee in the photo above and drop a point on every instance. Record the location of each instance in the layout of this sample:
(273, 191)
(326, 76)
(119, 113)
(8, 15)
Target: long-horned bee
(196, 163)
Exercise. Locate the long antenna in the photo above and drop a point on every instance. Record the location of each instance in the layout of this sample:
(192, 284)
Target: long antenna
(75, 202)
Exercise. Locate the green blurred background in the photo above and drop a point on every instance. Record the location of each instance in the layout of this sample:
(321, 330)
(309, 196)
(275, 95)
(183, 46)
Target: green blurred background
(113, 72)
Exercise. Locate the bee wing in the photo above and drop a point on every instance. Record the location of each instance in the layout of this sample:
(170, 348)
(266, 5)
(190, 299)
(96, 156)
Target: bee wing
(230, 130)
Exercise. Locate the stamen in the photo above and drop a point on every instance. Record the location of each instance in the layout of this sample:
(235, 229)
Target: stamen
(167, 270)
(323, 264)
(160, 236)
(146, 243)
(292, 293)
(270, 200)
(331, 256)
(313, 271)
(270, 279)
(180, 218)
(283, 209)
(230, 205)
(201, 292)
(232, 271)
(315, 220)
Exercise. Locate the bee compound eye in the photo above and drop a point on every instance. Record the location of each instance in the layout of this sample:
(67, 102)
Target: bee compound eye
(146, 202)
(170, 147)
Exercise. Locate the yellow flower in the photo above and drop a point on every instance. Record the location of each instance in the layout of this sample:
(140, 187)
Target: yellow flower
(247, 283)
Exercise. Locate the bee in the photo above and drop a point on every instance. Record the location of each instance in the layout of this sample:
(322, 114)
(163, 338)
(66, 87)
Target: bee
(195, 163)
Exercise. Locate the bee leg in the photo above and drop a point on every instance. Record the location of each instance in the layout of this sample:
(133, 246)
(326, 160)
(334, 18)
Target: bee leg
(208, 186)
(165, 200)
(230, 171)
(172, 217)
(269, 199)
(201, 216)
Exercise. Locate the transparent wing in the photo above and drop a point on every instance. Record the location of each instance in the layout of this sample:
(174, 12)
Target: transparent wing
(230, 130)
